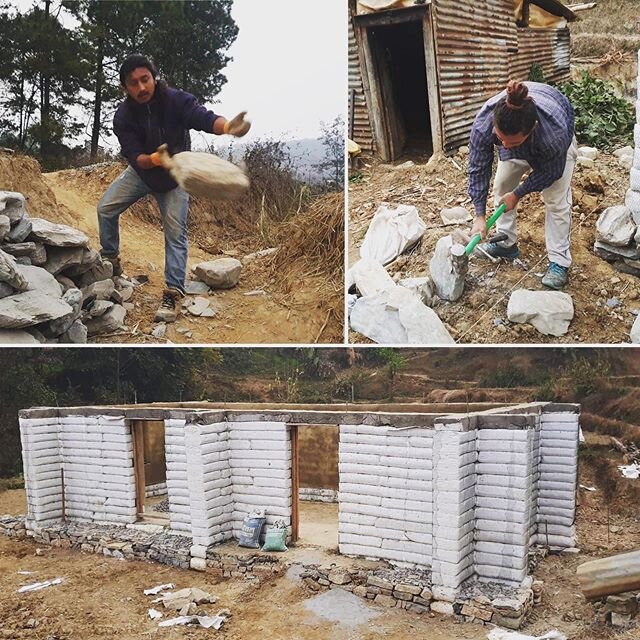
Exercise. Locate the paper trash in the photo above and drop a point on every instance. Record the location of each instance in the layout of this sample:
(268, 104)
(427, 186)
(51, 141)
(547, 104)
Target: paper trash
(156, 590)
(204, 621)
(502, 634)
(39, 585)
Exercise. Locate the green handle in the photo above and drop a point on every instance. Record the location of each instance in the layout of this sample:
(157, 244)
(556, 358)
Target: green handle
(490, 222)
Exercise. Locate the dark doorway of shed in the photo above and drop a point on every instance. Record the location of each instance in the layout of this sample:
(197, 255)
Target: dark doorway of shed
(150, 466)
(401, 76)
(315, 485)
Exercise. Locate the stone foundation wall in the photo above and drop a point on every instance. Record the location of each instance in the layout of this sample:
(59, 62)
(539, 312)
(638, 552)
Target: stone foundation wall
(413, 590)
(317, 495)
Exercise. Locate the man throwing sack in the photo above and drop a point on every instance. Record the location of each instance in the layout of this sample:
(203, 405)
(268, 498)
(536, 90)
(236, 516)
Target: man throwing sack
(532, 125)
(153, 114)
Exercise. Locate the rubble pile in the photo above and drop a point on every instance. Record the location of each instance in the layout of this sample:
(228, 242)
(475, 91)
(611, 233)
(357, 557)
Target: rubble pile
(53, 286)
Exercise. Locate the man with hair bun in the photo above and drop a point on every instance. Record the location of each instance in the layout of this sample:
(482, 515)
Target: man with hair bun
(153, 114)
(532, 124)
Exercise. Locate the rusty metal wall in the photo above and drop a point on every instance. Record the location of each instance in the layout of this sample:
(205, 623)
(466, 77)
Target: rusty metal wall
(474, 39)
(550, 48)
(362, 131)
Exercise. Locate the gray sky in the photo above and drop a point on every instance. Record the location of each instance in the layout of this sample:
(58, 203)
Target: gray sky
(289, 68)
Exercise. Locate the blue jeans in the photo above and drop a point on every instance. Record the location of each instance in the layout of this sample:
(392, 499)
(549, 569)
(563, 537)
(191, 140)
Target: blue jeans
(127, 189)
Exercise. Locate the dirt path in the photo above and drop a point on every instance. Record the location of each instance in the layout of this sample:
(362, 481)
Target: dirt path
(266, 317)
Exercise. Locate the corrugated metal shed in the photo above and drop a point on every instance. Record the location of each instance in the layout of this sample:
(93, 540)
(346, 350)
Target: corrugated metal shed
(478, 49)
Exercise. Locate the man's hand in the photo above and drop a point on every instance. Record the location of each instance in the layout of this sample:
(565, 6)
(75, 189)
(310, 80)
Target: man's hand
(238, 126)
(479, 226)
(510, 200)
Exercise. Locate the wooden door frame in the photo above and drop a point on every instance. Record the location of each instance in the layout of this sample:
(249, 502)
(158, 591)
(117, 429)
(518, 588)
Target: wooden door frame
(137, 435)
(375, 103)
(295, 483)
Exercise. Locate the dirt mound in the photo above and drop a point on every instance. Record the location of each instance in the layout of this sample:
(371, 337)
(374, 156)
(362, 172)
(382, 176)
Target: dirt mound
(479, 316)
(23, 174)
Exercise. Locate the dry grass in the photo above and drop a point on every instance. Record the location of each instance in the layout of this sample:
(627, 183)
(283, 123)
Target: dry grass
(612, 25)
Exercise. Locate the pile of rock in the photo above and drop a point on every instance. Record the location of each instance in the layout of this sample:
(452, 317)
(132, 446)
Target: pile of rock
(13, 527)
(53, 286)
(622, 610)
(411, 589)
(247, 566)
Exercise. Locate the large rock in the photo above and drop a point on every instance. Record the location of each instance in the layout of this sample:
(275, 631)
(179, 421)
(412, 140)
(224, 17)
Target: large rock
(20, 231)
(550, 312)
(455, 215)
(370, 277)
(222, 273)
(101, 290)
(99, 270)
(33, 250)
(448, 268)
(422, 287)
(57, 235)
(40, 279)
(16, 336)
(398, 316)
(10, 272)
(6, 290)
(635, 331)
(60, 258)
(30, 308)
(73, 297)
(111, 321)
(615, 226)
(588, 152)
(611, 253)
(77, 334)
(5, 226)
(89, 258)
(12, 205)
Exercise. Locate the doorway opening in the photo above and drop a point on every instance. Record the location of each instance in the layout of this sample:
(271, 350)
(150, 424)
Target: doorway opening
(315, 485)
(150, 466)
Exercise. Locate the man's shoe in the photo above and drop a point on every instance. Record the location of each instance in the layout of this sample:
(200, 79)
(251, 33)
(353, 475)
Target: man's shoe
(556, 276)
(117, 265)
(496, 250)
(168, 309)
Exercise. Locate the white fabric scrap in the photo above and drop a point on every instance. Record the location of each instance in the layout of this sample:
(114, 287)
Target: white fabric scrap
(204, 621)
(154, 614)
(36, 586)
(502, 634)
(391, 232)
(156, 590)
(631, 471)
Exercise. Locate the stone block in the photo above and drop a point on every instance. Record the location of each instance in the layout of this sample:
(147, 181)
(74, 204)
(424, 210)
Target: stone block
(386, 601)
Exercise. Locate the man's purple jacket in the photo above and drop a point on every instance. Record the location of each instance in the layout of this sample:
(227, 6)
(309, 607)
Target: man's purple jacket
(166, 119)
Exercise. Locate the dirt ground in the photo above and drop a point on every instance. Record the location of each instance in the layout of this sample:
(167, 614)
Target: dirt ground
(480, 315)
(102, 597)
(256, 311)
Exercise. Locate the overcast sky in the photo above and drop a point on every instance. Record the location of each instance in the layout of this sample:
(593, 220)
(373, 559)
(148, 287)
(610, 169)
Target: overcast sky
(289, 68)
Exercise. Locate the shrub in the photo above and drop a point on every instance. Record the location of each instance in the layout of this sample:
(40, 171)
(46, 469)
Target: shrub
(603, 119)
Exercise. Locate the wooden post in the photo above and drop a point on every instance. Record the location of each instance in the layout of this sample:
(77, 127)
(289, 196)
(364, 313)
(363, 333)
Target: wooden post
(64, 504)
(295, 484)
(138, 464)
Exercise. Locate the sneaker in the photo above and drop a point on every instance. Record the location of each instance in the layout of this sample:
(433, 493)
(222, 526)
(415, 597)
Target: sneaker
(117, 265)
(556, 276)
(168, 309)
(498, 251)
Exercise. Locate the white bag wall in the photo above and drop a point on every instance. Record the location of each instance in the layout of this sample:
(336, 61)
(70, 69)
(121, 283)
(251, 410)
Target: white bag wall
(385, 493)
(559, 439)
(177, 484)
(260, 459)
(97, 454)
(42, 466)
(454, 477)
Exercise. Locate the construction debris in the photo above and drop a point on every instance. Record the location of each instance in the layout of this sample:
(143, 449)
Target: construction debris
(161, 587)
(36, 586)
(179, 599)
(207, 622)
(501, 634)
(154, 614)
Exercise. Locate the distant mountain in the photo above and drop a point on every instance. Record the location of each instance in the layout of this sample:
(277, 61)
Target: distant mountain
(305, 154)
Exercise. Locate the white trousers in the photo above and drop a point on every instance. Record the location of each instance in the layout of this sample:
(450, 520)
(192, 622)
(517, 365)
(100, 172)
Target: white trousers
(558, 204)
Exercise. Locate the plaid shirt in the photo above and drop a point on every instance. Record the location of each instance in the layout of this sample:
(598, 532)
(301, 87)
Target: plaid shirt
(545, 149)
